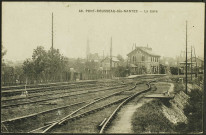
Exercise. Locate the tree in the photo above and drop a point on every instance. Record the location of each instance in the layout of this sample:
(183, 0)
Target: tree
(121, 59)
(162, 69)
(39, 58)
(120, 71)
(174, 70)
(28, 69)
(18, 73)
(45, 65)
(55, 64)
(3, 52)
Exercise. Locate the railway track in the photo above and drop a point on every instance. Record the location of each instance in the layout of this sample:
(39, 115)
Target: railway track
(47, 94)
(71, 95)
(44, 112)
(53, 98)
(79, 113)
(9, 93)
(4, 88)
(35, 92)
(95, 111)
(108, 121)
(75, 111)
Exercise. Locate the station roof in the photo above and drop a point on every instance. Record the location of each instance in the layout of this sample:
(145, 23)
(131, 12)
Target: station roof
(114, 59)
(144, 49)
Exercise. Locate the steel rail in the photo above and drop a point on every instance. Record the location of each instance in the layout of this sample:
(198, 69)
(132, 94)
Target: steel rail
(27, 116)
(35, 114)
(58, 92)
(46, 84)
(38, 90)
(65, 118)
(61, 121)
(82, 114)
(11, 105)
(118, 108)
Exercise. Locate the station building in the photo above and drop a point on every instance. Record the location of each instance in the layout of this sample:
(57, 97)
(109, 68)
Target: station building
(142, 60)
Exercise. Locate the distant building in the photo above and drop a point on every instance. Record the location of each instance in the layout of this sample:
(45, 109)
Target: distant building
(143, 61)
(200, 62)
(199, 67)
(169, 61)
(105, 65)
(93, 57)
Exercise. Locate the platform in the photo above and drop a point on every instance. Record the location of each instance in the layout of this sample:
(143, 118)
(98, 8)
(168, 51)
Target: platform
(165, 96)
(144, 75)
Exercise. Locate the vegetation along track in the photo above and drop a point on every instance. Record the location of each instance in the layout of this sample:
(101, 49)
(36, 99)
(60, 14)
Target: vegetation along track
(89, 109)
(12, 123)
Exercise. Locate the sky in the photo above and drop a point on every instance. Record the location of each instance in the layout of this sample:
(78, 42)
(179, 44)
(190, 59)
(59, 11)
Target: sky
(26, 25)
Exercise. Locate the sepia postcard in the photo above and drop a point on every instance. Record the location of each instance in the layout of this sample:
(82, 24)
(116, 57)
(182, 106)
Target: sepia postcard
(102, 67)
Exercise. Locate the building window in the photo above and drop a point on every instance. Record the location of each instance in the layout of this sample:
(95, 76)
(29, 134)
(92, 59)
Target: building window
(154, 69)
(143, 58)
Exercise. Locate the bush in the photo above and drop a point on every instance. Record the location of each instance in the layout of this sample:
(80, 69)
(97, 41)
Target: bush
(193, 111)
(174, 70)
(149, 118)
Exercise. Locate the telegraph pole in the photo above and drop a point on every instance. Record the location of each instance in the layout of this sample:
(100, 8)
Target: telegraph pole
(52, 33)
(87, 50)
(191, 63)
(186, 59)
(178, 65)
(196, 63)
(52, 47)
(111, 57)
